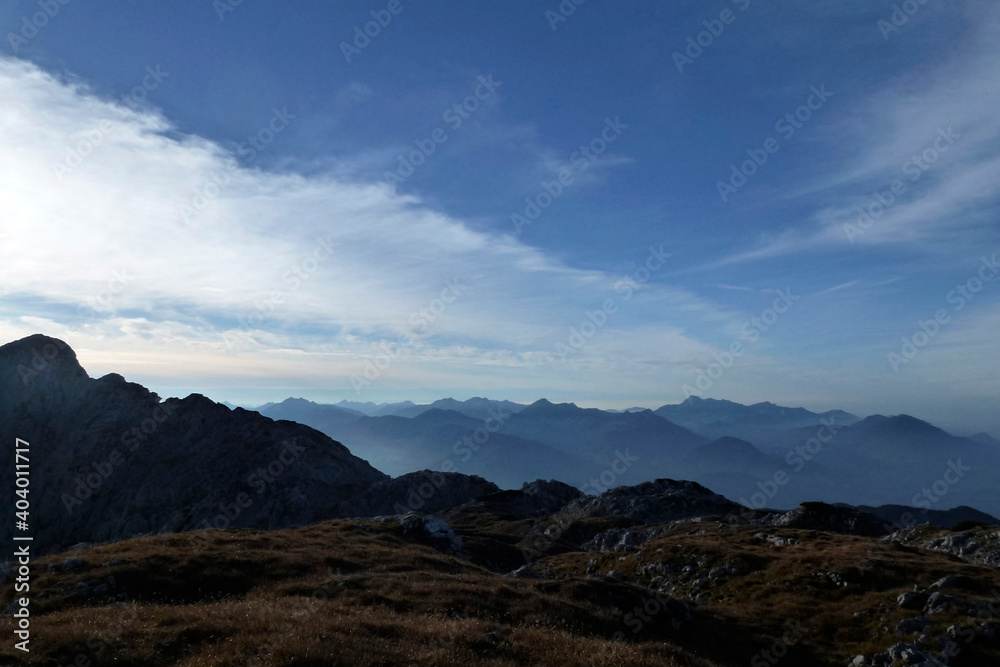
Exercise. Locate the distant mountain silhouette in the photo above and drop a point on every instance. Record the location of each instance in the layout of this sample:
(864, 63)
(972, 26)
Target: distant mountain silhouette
(898, 460)
(876, 461)
(451, 441)
(713, 418)
(597, 434)
(326, 418)
(477, 408)
(985, 439)
(902, 516)
(900, 438)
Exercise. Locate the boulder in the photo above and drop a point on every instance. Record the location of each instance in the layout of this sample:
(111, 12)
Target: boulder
(939, 603)
(911, 625)
(914, 600)
(431, 530)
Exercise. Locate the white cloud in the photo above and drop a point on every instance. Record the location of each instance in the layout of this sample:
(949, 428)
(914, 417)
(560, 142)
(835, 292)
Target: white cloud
(327, 267)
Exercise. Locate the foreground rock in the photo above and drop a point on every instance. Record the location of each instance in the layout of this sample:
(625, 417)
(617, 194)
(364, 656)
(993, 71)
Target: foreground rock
(534, 499)
(426, 492)
(830, 518)
(431, 530)
(980, 546)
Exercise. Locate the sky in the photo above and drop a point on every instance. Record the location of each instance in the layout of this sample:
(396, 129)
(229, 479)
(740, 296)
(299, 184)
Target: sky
(611, 204)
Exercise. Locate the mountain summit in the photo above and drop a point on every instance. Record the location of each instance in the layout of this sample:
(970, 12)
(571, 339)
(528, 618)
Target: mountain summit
(110, 459)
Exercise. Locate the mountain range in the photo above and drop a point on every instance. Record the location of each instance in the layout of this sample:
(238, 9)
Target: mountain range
(111, 459)
(763, 455)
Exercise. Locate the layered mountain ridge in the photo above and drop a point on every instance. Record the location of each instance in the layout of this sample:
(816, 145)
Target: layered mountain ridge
(111, 459)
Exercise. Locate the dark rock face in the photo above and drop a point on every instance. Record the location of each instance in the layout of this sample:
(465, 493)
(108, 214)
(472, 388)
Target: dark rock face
(431, 530)
(831, 518)
(534, 499)
(915, 600)
(651, 503)
(110, 460)
(426, 492)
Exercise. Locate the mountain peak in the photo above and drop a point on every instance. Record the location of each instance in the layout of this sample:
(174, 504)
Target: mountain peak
(545, 405)
(28, 359)
(904, 423)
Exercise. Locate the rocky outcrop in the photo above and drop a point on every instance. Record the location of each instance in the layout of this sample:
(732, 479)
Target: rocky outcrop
(830, 518)
(425, 492)
(110, 459)
(621, 539)
(533, 500)
(980, 546)
(431, 530)
(656, 502)
(932, 647)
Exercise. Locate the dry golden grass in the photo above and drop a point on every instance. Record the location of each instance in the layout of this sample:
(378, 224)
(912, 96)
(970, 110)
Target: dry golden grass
(348, 593)
(332, 594)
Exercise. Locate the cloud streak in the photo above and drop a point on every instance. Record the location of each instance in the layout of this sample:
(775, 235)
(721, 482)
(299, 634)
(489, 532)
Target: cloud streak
(274, 261)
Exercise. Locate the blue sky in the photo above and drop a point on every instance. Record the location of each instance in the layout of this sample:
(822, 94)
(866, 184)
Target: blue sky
(231, 229)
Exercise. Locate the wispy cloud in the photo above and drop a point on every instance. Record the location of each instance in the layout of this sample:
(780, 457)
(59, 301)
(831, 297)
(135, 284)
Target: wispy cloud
(276, 261)
(878, 139)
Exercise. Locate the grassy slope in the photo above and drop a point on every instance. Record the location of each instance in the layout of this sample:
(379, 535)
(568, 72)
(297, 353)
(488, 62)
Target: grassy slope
(349, 593)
